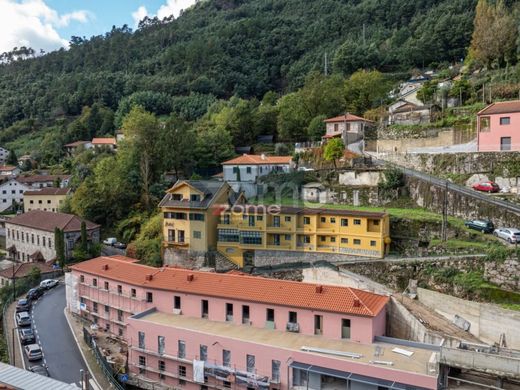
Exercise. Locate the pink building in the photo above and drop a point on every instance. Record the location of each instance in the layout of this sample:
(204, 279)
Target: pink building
(201, 330)
(498, 127)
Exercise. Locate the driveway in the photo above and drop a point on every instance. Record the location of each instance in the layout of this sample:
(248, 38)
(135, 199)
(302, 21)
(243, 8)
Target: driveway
(60, 351)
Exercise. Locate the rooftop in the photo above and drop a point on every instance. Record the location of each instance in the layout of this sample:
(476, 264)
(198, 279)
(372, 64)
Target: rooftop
(5, 168)
(209, 188)
(48, 221)
(76, 143)
(258, 159)
(266, 209)
(346, 118)
(104, 141)
(417, 363)
(48, 191)
(18, 378)
(24, 269)
(41, 178)
(232, 286)
(501, 108)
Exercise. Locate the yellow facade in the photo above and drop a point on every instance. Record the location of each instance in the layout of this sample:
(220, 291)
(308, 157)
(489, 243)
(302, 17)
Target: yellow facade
(190, 216)
(43, 202)
(355, 233)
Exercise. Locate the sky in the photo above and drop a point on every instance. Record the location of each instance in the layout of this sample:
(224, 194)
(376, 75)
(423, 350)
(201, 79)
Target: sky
(48, 24)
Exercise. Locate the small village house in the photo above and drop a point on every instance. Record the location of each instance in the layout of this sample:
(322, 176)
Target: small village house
(46, 199)
(77, 146)
(11, 193)
(110, 143)
(350, 128)
(42, 181)
(498, 127)
(9, 170)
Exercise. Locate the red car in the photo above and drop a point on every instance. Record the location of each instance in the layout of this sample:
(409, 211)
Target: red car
(486, 186)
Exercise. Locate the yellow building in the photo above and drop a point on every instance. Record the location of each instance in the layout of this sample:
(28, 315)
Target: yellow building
(191, 211)
(45, 199)
(350, 232)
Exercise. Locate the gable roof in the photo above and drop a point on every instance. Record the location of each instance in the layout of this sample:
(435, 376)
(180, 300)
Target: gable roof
(6, 168)
(237, 286)
(48, 191)
(41, 178)
(255, 159)
(209, 188)
(48, 221)
(104, 141)
(346, 118)
(76, 144)
(23, 269)
(501, 108)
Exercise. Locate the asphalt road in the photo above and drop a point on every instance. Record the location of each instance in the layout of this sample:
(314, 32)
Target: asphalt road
(60, 351)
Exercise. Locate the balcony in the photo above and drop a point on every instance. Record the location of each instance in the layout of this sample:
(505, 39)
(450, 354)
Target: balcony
(273, 228)
(274, 246)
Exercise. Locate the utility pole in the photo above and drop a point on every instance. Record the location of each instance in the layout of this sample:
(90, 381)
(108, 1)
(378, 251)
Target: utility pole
(460, 96)
(326, 65)
(364, 35)
(444, 229)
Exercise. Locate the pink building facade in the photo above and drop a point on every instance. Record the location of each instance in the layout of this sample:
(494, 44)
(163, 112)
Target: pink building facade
(498, 127)
(200, 330)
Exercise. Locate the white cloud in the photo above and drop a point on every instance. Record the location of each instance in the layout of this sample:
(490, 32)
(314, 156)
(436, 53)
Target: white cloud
(33, 23)
(172, 7)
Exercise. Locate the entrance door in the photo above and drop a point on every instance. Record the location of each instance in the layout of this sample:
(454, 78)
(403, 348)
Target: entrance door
(505, 143)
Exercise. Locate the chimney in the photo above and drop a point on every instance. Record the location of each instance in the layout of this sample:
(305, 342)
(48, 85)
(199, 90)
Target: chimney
(104, 267)
(319, 289)
(262, 156)
(149, 277)
(190, 277)
(357, 302)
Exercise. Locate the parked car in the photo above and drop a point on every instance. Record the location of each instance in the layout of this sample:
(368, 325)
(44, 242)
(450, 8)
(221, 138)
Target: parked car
(486, 186)
(480, 225)
(511, 235)
(27, 336)
(110, 241)
(120, 245)
(48, 283)
(34, 293)
(40, 369)
(23, 319)
(23, 305)
(33, 352)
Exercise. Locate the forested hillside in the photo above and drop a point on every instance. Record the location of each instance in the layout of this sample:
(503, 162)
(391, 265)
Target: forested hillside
(221, 48)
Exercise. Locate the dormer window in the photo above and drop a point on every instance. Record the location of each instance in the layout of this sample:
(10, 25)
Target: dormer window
(195, 198)
(176, 196)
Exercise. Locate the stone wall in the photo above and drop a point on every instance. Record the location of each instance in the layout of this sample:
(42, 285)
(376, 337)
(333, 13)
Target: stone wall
(506, 274)
(271, 258)
(184, 258)
(488, 321)
(360, 178)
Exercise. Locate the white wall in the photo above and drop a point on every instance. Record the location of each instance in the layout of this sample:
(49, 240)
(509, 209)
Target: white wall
(7, 196)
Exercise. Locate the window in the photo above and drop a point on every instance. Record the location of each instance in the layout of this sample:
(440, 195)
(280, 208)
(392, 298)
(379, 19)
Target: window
(376, 222)
(251, 220)
(177, 302)
(306, 239)
(251, 238)
(245, 314)
(505, 120)
(269, 314)
(94, 282)
(48, 201)
(235, 169)
(345, 328)
(293, 317)
(323, 238)
(160, 345)
(133, 293)
(180, 236)
(344, 240)
(107, 309)
(226, 358)
(32, 238)
(181, 349)
(43, 239)
(226, 384)
(229, 312)
(142, 364)
(120, 332)
(196, 217)
(275, 371)
(287, 237)
(505, 143)
(141, 339)
(182, 371)
(177, 197)
(204, 308)
(161, 365)
(197, 234)
(120, 315)
(276, 221)
(336, 127)
(95, 307)
(106, 285)
(149, 297)
(195, 198)
(226, 219)
(333, 239)
(287, 219)
(228, 235)
(119, 289)
(332, 220)
(372, 243)
(357, 222)
(82, 278)
(203, 352)
(323, 219)
(171, 235)
(250, 363)
(318, 324)
(248, 169)
(306, 220)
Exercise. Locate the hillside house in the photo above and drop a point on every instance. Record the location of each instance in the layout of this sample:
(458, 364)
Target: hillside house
(46, 199)
(11, 193)
(9, 170)
(75, 147)
(350, 128)
(498, 127)
(110, 143)
(42, 181)
(4, 155)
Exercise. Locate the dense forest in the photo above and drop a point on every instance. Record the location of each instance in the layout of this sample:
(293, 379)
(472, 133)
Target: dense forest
(224, 48)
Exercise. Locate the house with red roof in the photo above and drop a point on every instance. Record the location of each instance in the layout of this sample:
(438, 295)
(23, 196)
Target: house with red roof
(242, 172)
(498, 127)
(109, 142)
(350, 128)
(193, 329)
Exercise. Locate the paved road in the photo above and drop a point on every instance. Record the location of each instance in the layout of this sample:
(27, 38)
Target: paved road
(61, 353)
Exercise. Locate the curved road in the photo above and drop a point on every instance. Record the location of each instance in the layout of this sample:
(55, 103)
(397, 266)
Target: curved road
(61, 353)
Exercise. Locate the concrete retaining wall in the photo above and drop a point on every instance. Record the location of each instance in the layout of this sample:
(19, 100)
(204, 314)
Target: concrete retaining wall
(359, 178)
(269, 258)
(488, 321)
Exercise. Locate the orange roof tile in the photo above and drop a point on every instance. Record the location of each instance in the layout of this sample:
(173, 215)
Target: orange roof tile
(346, 118)
(7, 168)
(501, 108)
(254, 159)
(232, 286)
(104, 141)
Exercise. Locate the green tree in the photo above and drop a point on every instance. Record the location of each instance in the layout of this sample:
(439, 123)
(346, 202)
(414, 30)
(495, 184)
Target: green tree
(334, 150)
(177, 147)
(59, 245)
(427, 92)
(213, 145)
(84, 238)
(365, 90)
(34, 276)
(316, 128)
(12, 159)
(292, 118)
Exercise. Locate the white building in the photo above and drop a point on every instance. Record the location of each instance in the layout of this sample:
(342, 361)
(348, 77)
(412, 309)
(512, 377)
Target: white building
(4, 155)
(11, 192)
(42, 181)
(242, 172)
(350, 128)
(9, 170)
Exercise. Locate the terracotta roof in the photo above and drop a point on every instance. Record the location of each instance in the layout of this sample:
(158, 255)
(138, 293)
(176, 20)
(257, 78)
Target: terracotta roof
(48, 221)
(332, 135)
(76, 143)
(231, 286)
(501, 108)
(24, 269)
(264, 209)
(48, 191)
(346, 118)
(254, 159)
(104, 141)
(209, 189)
(7, 168)
(41, 178)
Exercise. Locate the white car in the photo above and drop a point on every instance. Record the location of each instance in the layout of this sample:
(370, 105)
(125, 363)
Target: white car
(48, 283)
(511, 235)
(110, 241)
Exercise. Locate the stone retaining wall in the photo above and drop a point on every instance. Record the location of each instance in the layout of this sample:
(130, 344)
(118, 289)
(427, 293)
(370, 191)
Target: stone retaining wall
(269, 258)
(506, 274)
